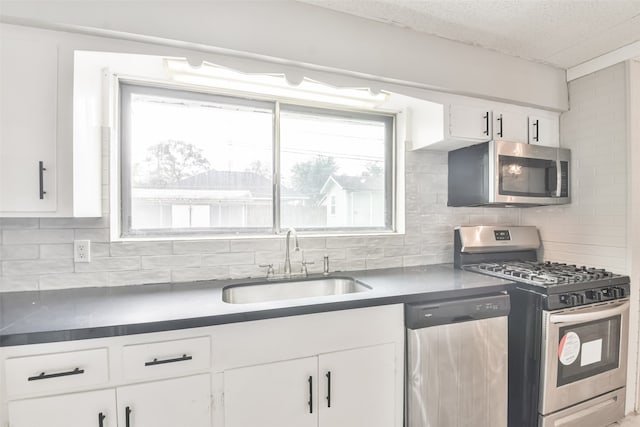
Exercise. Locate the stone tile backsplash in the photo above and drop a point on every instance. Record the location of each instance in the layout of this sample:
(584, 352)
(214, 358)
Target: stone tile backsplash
(37, 253)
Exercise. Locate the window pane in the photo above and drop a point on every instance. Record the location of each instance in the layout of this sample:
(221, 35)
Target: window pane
(334, 169)
(197, 161)
(180, 216)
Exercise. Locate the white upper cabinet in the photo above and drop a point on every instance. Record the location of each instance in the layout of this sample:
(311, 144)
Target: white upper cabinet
(544, 131)
(469, 123)
(452, 125)
(44, 170)
(28, 106)
(510, 125)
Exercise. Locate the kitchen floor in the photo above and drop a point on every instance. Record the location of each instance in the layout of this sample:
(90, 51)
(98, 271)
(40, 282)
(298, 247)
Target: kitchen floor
(629, 421)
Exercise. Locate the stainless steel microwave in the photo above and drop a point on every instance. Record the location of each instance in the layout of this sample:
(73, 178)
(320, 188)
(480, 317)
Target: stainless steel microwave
(503, 173)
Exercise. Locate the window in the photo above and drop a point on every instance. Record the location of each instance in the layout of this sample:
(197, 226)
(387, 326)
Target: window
(198, 163)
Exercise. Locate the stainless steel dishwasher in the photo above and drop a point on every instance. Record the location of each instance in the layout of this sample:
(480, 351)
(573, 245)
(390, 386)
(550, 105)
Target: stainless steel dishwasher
(457, 362)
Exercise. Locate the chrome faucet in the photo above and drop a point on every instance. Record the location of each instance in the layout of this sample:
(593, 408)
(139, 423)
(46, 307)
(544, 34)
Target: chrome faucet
(287, 258)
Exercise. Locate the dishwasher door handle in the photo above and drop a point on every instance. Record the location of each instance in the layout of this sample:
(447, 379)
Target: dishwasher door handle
(459, 319)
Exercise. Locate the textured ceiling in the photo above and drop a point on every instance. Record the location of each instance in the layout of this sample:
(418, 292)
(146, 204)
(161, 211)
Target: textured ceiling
(563, 33)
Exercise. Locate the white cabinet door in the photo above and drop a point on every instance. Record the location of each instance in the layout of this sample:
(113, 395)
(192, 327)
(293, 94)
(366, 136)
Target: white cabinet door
(281, 394)
(28, 116)
(469, 123)
(358, 387)
(510, 126)
(90, 409)
(181, 402)
(544, 131)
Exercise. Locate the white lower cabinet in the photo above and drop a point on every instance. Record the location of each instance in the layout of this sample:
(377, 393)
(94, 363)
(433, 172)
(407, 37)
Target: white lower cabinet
(351, 388)
(357, 387)
(89, 409)
(272, 395)
(181, 402)
(335, 369)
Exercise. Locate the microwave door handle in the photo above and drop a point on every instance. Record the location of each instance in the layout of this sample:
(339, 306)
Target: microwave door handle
(588, 317)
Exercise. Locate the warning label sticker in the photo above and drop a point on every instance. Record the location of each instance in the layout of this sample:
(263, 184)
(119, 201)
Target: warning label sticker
(569, 348)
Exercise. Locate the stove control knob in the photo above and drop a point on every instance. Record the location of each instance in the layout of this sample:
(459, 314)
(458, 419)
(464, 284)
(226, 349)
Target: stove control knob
(573, 299)
(564, 299)
(594, 295)
(577, 299)
(607, 292)
(618, 292)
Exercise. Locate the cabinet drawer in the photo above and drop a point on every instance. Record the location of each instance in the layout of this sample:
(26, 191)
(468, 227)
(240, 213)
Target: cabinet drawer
(166, 359)
(56, 372)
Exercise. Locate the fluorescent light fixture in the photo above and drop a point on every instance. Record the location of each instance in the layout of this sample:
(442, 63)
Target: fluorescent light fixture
(276, 85)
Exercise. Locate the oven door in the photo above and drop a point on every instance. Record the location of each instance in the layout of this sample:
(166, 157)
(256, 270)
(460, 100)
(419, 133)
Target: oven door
(584, 353)
(529, 174)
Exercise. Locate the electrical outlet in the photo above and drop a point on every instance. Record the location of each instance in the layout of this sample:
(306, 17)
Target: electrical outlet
(82, 250)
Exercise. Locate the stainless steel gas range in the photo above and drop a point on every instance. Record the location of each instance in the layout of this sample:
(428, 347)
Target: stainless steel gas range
(568, 330)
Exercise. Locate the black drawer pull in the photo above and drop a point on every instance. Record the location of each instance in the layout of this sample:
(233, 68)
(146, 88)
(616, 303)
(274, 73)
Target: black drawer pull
(329, 389)
(310, 395)
(162, 362)
(127, 416)
(101, 418)
(44, 376)
(486, 118)
(41, 170)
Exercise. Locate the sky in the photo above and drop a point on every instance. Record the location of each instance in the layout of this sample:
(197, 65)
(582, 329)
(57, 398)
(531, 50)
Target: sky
(233, 137)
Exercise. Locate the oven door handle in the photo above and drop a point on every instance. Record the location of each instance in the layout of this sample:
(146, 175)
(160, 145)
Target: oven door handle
(588, 317)
(558, 178)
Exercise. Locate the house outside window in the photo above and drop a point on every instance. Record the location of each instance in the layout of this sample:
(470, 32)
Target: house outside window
(199, 163)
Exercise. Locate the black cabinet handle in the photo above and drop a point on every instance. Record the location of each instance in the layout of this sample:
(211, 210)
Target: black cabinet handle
(486, 118)
(500, 131)
(329, 389)
(127, 416)
(41, 170)
(44, 376)
(536, 126)
(310, 394)
(162, 362)
(101, 418)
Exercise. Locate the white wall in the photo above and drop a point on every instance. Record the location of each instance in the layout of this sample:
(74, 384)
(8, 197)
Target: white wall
(37, 253)
(600, 226)
(634, 208)
(592, 230)
(299, 34)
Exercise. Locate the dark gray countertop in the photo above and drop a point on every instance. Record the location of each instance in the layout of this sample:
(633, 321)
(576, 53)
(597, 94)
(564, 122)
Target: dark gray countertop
(73, 314)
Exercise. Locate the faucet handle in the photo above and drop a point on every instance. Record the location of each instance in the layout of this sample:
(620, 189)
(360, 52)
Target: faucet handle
(303, 268)
(325, 269)
(270, 270)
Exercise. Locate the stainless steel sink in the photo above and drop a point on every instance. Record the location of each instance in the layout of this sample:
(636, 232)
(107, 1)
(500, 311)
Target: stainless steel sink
(291, 289)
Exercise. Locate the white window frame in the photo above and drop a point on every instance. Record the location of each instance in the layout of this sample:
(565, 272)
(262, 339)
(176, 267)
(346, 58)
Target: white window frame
(118, 151)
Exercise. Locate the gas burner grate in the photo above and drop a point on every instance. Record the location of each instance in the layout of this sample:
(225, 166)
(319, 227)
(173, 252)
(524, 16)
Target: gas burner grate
(544, 274)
